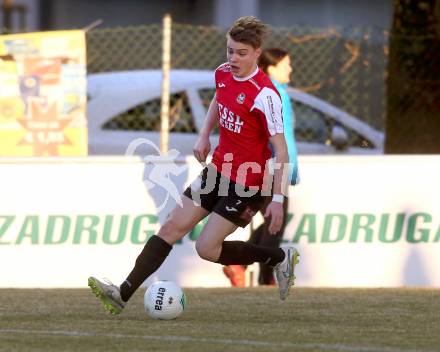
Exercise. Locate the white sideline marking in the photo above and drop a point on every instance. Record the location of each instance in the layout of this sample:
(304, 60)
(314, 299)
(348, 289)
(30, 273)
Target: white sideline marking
(315, 346)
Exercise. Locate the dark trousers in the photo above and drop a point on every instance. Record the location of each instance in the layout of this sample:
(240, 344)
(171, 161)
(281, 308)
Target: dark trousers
(261, 236)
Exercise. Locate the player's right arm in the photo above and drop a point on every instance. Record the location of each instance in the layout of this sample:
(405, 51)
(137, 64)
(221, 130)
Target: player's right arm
(202, 147)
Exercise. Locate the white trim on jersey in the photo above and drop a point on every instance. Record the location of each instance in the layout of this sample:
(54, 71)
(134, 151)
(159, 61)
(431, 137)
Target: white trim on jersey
(269, 103)
(225, 67)
(242, 79)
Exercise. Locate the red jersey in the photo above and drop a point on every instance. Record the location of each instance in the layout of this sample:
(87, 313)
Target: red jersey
(250, 112)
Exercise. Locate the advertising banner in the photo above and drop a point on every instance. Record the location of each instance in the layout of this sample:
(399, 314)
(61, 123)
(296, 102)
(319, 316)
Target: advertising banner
(370, 221)
(43, 94)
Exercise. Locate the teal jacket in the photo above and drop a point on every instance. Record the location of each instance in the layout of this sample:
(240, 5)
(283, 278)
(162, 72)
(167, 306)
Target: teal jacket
(289, 123)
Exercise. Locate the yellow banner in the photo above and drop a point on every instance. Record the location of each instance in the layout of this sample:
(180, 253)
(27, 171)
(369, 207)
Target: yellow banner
(43, 94)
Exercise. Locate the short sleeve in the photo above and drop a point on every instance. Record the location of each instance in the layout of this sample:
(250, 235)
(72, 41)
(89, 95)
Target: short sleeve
(221, 71)
(269, 103)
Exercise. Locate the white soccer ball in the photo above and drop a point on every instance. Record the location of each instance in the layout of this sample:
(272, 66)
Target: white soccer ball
(164, 300)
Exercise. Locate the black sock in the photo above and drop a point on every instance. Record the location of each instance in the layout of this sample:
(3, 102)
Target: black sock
(239, 252)
(151, 258)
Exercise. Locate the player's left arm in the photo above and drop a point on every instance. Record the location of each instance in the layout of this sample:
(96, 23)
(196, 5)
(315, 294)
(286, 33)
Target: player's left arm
(268, 102)
(280, 183)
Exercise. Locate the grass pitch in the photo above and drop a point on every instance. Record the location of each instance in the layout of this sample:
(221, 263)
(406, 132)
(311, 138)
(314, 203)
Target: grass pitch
(226, 319)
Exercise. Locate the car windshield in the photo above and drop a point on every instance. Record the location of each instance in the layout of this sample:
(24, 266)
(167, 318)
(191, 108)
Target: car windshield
(146, 116)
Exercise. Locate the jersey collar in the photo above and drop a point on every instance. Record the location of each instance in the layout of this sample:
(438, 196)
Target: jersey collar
(241, 79)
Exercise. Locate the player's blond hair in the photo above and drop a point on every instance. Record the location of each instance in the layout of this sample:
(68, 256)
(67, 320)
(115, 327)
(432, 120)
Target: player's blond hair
(248, 30)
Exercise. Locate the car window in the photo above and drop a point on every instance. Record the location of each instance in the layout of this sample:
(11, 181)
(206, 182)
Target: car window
(206, 94)
(314, 126)
(146, 116)
(310, 125)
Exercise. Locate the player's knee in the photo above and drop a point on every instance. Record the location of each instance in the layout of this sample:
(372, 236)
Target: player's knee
(171, 231)
(206, 252)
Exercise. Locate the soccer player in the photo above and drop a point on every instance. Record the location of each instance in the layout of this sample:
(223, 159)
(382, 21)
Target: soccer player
(231, 189)
(276, 63)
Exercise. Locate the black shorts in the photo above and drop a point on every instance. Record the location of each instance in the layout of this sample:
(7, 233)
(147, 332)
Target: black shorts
(220, 195)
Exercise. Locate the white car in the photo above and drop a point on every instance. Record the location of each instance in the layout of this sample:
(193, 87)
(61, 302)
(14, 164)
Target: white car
(124, 106)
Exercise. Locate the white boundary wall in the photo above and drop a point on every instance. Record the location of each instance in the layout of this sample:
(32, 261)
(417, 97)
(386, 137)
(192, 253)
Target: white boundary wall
(357, 221)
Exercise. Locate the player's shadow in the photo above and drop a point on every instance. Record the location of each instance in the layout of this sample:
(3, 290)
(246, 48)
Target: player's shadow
(414, 270)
